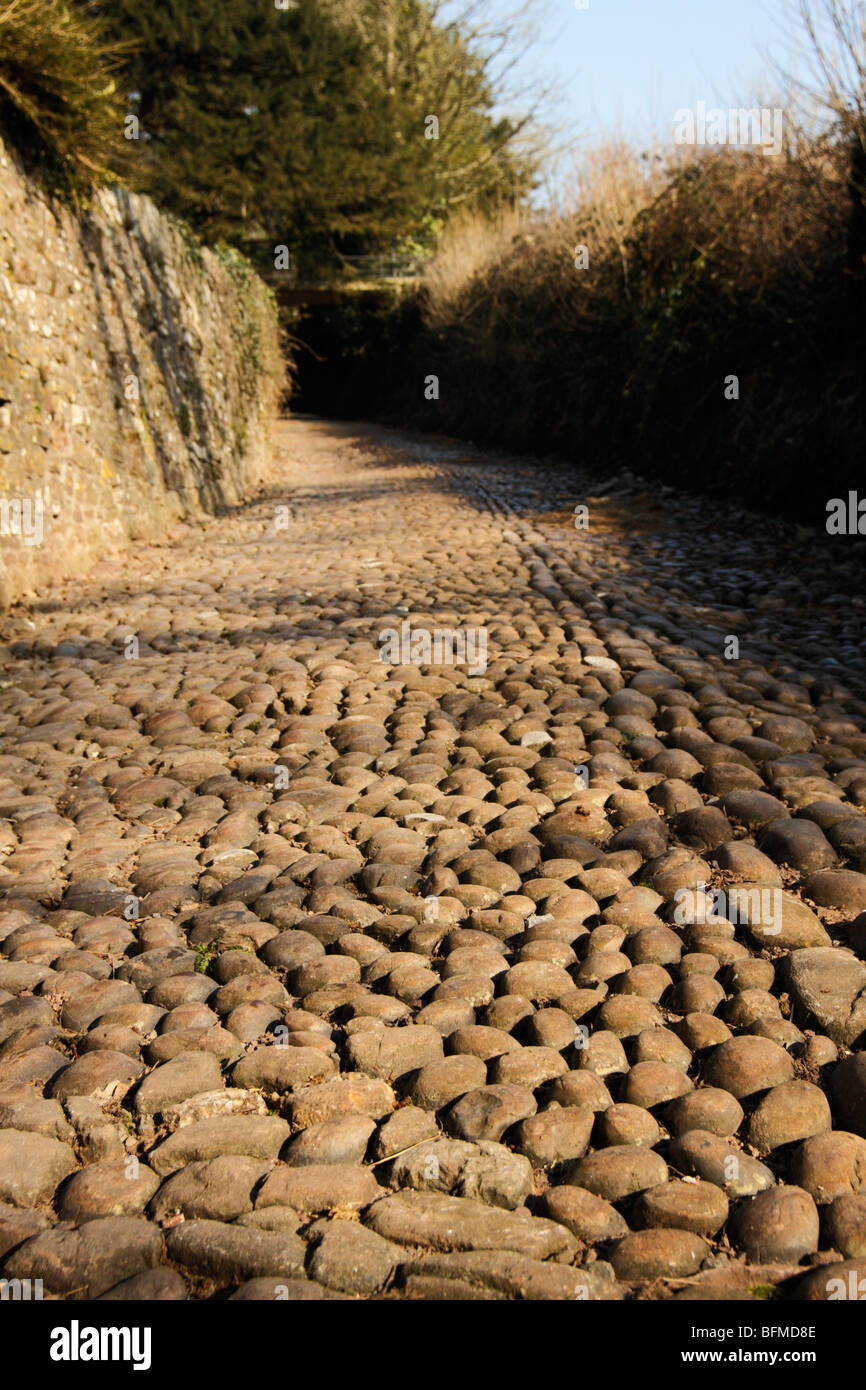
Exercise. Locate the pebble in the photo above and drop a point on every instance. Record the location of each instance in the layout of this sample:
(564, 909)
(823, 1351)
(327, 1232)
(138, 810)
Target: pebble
(351, 1258)
(794, 1110)
(708, 1108)
(32, 1166)
(153, 1286)
(747, 1066)
(229, 1253)
(689, 1206)
(618, 1172)
(486, 1112)
(91, 1259)
(256, 1136)
(505, 1274)
(828, 991)
(719, 1161)
(343, 1139)
(319, 1187)
(217, 1189)
(186, 1075)
(832, 1282)
(779, 1224)
(829, 1165)
(463, 1223)
(658, 1254)
(625, 1123)
(394, 1052)
(114, 1187)
(554, 1136)
(845, 1225)
(586, 1215)
(848, 1092)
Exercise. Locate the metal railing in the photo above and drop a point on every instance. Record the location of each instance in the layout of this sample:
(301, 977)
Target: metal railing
(376, 267)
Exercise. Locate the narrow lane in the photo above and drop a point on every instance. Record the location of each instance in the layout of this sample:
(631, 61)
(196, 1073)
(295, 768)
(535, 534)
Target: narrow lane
(526, 962)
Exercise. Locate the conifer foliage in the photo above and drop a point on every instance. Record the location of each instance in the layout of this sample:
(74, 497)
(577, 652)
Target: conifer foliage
(311, 125)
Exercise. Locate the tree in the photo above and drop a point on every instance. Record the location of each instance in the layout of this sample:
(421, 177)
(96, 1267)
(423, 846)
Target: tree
(301, 127)
(432, 69)
(829, 80)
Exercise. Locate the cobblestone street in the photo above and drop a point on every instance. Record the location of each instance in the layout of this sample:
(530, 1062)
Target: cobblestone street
(536, 974)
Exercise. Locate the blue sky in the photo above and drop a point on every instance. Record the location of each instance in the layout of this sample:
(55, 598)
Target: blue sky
(630, 64)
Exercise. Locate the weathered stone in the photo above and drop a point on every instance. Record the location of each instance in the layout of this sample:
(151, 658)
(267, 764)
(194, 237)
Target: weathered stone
(658, 1254)
(31, 1166)
(349, 1257)
(618, 1172)
(554, 1136)
(186, 1075)
(96, 1074)
(18, 1224)
(652, 1083)
(774, 918)
(392, 1052)
(319, 1187)
(343, 1139)
(439, 1083)
(794, 1110)
(700, 1207)
(346, 1095)
(89, 1260)
(587, 1216)
(461, 1223)
(511, 1275)
(845, 1222)
(153, 1286)
(408, 1126)
(624, 1123)
(828, 990)
(292, 1290)
(22, 1109)
(115, 1187)
(217, 1189)
(488, 1111)
(719, 1161)
(229, 1253)
(848, 1092)
(709, 1108)
(277, 1069)
(833, 1282)
(780, 1224)
(747, 1066)
(255, 1136)
(829, 1165)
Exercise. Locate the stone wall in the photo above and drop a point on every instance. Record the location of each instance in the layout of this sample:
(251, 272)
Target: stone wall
(139, 375)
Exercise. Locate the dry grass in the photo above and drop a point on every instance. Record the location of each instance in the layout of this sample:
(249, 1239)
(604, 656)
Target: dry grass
(702, 266)
(470, 246)
(611, 186)
(708, 271)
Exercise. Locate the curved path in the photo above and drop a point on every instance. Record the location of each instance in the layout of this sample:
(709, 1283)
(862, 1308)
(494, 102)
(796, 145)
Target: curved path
(527, 962)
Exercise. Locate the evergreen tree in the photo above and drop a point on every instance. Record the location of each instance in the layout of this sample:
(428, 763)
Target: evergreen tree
(302, 126)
